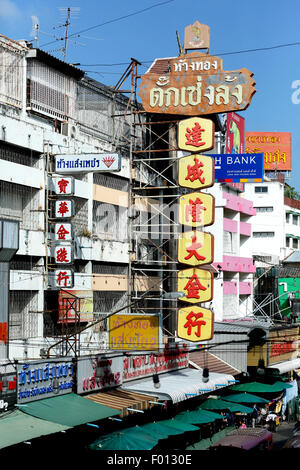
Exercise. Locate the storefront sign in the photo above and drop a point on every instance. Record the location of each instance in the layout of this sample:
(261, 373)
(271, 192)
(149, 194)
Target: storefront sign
(195, 93)
(64, 209)
(63, 231)
(63, 186)
(134, 332)
(99, 373)
(63, 278)
(63, 253)
(239, 168)
(38, 380)
(235, 133)
(138, 366)
(283, 345)
(8, 391)
(195, 324)
(276, 147)
(196, 36)
(196, 209)
(196, 171)
(81, 300)
(196, 284)
(196, 134)
(85, 163)
(195, 248)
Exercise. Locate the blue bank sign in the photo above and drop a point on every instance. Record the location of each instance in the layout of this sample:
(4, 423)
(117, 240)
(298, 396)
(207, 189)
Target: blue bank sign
(38, 380)
(239, 168)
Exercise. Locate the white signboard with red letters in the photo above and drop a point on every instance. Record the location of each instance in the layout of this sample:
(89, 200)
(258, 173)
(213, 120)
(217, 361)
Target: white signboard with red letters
(63, 278)
(64, 209)
(63, 253)
(63, 185)
(98, 373)
(63, 231)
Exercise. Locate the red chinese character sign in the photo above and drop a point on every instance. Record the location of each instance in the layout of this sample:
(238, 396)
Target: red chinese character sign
(196, 285)
(63, 231)
(63, 208)
(63, 278)
(195, 324)
(196, 134)
(195, 248)
(63, 185)
(196, 209)
(63, 254)
(196, 171)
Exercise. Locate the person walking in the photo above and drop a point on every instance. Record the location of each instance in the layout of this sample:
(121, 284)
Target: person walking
(254, 415)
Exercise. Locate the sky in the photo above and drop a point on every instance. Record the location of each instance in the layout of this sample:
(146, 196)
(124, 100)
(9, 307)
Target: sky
(261, 36)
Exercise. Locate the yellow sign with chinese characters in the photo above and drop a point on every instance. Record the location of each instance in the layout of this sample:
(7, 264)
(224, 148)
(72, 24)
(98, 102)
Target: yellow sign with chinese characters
(195, 248)
(196, 134)
(195, 284)
(196, 209)
(195, 324)
(196, 171)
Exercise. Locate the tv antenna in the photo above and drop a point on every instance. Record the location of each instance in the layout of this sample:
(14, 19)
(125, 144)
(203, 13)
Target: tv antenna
(35, 30)
(68, 11)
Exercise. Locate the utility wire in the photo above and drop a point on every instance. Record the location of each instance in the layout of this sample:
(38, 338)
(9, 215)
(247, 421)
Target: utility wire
(138, 12)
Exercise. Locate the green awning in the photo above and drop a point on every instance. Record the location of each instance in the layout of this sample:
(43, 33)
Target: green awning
(218, 404)
(160, 429)
(198, 416)
(245, 398)
(127, 439)
(18, 427)
(257, 387)
(69, 410)
(183, 426)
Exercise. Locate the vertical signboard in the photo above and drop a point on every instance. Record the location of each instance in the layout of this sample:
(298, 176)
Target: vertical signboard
(195, 247)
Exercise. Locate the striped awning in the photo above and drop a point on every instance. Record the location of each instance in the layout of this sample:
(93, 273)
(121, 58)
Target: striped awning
(123, 400)
(180, 385)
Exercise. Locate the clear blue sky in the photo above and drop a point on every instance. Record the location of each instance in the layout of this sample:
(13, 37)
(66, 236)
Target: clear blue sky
(112, 31)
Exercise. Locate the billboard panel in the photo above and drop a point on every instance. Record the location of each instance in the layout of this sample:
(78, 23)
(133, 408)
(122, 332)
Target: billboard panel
(238, 168)
(276, 147)
(134, 332)
(235, 133)
(83, 301)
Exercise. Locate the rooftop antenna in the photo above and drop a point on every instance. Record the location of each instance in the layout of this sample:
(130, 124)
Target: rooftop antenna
(35, 30)
(68, 11)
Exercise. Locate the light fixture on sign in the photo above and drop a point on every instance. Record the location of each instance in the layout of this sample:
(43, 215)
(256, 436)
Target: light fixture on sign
(156, 381)
(55, 385)
(205, 375)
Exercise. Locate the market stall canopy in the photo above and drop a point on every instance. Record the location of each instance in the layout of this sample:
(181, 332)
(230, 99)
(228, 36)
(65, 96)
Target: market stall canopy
(257, 387)
(180, 385)
(198, 416)
(127, 439)
(18, 427)
(68, 410)
(245, 398)
(218, 404)
(183, 426)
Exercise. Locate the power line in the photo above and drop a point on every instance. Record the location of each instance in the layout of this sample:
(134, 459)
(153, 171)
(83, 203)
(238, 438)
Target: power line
(138, 12)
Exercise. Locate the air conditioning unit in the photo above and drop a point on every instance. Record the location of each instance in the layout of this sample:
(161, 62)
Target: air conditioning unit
(69, 130)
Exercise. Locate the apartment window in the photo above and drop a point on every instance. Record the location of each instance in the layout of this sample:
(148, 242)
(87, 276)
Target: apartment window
(263, 234)
(295, 219)
(287, 218)
(295, 243)
(261, 189)
(264, 209)
(287, 242)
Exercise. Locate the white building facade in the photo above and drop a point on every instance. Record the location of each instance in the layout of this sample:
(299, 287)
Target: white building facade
(48, 107)
(276, 226)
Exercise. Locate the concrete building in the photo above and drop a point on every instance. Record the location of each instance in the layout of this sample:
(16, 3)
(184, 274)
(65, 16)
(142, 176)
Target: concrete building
(233, 286)
(276, 226)
(48, 107)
